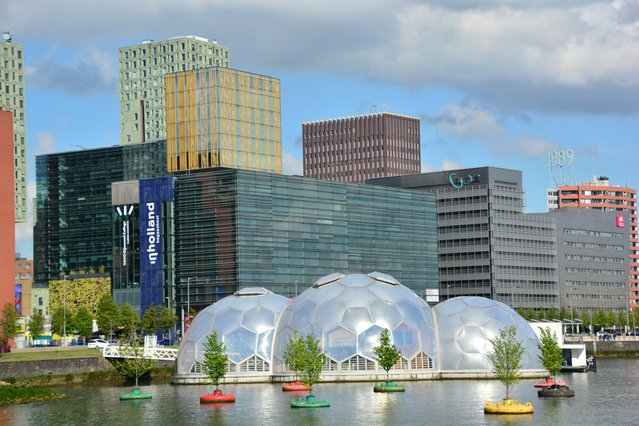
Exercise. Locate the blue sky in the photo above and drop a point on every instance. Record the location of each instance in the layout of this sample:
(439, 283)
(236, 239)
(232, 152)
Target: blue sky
(495, 83)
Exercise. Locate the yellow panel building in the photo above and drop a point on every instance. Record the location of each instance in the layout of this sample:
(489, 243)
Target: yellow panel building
(220, 117)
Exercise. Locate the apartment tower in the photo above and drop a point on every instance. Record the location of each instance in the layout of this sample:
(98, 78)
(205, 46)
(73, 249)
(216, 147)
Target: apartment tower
(599, 194)
(353, 149)
(142, 69)
(12, 98)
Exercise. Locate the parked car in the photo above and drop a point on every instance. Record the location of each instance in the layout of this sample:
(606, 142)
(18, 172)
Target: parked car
(97, 343)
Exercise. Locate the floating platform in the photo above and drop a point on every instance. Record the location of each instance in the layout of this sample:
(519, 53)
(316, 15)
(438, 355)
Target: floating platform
(508, 406)
(295, 386)
(549, 382)
(389, 386)
(309, 402)
(135, 394)
(556, 391)
(217, 397)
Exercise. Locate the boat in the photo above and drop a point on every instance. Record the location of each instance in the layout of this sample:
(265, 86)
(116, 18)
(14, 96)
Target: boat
(135, 394)
(389, 386)
(297, 385)
(217, 396)
(549, 382)
(508, 406)
(309, 402)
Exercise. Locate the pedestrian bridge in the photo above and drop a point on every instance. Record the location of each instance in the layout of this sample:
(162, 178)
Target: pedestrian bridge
(148, 352)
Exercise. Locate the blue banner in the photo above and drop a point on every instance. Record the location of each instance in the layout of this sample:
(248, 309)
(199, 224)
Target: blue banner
(153, 192)
(18, 296)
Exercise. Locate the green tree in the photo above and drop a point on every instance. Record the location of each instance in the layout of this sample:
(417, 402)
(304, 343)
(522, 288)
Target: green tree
(550, 355)
(129, 320)
(150, 321)
(215, 359)
(532, 315)
(8, 322)
(132, 363)
(57, 321)
(36, 324)
(564, 314)
(585, 319)
(291, 353)
(553, 314)
(311, 360)
(166, 320)
(505, 357)
(83, 323)
(108, 315)
(387, 353)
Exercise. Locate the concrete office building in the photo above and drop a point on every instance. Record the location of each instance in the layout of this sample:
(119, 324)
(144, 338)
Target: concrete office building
(239, 228)
(599, 194)
(592, 249)
(7, 211)
(487, 246)
(353, 149)
(12, 98)
(74, 218)
(219, 117)
(141, 70)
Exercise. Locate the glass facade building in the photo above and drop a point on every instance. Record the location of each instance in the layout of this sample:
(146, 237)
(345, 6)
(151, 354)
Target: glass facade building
(240, 228)
(74, 226)
(219, 117)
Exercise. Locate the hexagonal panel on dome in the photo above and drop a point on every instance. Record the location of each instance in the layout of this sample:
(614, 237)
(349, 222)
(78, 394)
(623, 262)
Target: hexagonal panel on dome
(385, 314)
(240, 344)
(340, 344)
(328, 315)
(411, 313)
(406, 338)
(387, 293)
(357, 319)
(258, 319)
(429, 343)
(367, 340)
(265, 344)
(325, 294)
(358, 296)
(228, 321)
(472, 339)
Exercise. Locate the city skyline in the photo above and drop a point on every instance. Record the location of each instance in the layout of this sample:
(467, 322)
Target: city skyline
(493, 85)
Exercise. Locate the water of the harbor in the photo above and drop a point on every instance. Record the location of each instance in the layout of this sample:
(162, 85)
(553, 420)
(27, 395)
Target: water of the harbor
(605, 397)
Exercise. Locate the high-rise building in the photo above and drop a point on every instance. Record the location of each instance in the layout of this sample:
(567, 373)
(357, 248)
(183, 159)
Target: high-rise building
(12, 98)
(353, 149)
(219, 117)
(74, 227)
(599, 194)
(487, 245)
(7, 210)
(142, 69)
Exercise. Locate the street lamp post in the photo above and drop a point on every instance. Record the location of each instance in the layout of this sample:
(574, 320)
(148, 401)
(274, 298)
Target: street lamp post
(64, 310)
(447, 291)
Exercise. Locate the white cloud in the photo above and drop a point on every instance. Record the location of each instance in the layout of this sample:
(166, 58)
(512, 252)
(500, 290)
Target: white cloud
(45, 143)
(472, 123)
(445, 165)
(291, 165)
(567, 56)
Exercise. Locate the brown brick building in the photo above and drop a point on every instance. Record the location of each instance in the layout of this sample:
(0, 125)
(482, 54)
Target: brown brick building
(353, 149)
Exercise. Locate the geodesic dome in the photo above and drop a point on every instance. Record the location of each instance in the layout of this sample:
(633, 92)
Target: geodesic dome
(245, 322)
(348, 312)
(466, 324)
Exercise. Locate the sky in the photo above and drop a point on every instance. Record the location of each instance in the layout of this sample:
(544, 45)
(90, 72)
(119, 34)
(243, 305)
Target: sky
(495, 83)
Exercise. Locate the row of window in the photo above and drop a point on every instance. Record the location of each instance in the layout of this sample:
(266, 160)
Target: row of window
(594, 246)
(614, 284)
(596, 271)
(591, 233)
(588, 258)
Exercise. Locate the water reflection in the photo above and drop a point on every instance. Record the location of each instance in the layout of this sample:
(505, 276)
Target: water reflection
(601, 398)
